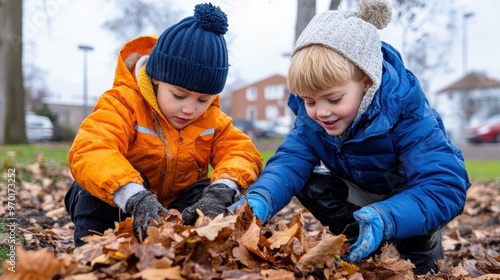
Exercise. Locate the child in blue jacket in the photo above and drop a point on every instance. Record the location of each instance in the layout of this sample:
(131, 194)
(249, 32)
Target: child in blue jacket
(367, 156)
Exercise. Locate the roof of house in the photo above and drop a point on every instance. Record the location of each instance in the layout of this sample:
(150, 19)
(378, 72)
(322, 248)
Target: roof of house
(259, 81)
(472, 81)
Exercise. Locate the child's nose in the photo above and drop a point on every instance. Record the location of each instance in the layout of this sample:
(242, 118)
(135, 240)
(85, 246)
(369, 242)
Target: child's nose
(189, 108)
(323, 110)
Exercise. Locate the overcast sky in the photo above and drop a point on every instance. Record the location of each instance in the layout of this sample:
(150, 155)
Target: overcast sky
(261, 32)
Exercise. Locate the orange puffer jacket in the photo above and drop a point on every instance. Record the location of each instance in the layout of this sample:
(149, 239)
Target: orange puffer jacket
(126, 130)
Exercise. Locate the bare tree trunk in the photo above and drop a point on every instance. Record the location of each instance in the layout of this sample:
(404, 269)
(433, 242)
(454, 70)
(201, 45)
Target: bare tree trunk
(306, 9)
(12, 127)
(334, 4)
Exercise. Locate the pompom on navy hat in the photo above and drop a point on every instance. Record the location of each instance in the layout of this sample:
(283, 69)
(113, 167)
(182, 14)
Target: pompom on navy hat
(192, 53)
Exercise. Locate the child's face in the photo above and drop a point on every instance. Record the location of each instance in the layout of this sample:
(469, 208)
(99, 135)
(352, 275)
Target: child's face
(181, 107)
(335, 108)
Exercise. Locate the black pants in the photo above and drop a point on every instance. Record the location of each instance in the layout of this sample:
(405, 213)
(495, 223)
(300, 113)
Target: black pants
(325, 196)
(92, 215)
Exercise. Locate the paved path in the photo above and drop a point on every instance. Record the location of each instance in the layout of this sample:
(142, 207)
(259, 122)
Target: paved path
(488, 151)
(481, 151)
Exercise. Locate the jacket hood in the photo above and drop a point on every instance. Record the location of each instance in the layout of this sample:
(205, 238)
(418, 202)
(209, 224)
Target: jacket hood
(129, 54)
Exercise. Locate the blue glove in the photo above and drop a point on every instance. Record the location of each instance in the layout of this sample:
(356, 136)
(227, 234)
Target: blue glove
(371, 233)
(257, 203)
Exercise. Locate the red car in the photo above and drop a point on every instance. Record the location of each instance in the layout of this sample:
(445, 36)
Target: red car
(487, 131)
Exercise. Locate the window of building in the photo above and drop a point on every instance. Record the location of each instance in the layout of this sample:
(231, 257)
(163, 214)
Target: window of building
(251, 94)
(274, 92)
(272, 112)
(251, 113)
(64, 117)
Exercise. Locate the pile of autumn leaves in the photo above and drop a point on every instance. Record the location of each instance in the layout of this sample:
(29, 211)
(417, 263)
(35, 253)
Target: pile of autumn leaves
(232, 247)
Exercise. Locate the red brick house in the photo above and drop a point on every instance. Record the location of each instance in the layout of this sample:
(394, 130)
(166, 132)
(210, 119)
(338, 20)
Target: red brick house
(264, 100)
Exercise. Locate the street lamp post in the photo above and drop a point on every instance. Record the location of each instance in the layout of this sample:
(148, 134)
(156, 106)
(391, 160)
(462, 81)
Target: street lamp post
(85, 49)
(465, 96)
(464, 40)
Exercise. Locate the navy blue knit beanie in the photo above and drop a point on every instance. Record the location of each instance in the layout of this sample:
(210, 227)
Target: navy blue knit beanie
(192, 53)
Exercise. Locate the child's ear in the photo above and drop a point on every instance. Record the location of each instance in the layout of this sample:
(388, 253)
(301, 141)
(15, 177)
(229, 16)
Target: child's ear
(155, 81)
(367, 83)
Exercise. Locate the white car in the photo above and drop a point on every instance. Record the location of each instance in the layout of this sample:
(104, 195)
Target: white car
(39, 128)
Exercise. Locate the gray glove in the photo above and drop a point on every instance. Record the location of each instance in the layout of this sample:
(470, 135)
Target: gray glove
(144, 206)
(214, 200)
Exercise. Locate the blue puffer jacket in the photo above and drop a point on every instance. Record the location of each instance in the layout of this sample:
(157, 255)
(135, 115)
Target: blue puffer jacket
(397, 146)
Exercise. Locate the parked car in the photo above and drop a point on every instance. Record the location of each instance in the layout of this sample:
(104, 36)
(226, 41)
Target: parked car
(487, 131)
(39, 128)
(248, 127)
(272, 129)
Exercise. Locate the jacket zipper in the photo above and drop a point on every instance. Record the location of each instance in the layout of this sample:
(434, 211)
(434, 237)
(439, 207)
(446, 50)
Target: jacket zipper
(162, 192)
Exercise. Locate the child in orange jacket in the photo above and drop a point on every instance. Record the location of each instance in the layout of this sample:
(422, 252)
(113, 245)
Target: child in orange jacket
(148, 144)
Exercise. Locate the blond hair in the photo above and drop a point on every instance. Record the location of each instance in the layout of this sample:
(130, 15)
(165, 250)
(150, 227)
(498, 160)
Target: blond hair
(315, 68)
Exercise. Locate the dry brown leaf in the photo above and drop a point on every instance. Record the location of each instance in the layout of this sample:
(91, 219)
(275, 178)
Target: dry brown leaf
(59, 232)
(72, 266)
(280, 238)
(202, 219)
(488, 277)
(322, 255)
(470, 268)
(450, 243)
(239, 274)
(250, 238)
(243, 256)
(153, 256)
(96, 245)
(390, 259)
(29, 190)
(458, 271)
(124, 229)
(211, 230)
(33, 265)
(56, 214)
(83, 276)
(356, 276)
(173, 273)
(279, 274)
(102, 260)
(485, 261)
(245, 219)
(388, 265)
(36, 170)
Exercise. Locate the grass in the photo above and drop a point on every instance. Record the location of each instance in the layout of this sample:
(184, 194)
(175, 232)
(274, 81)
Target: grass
(20, 156)
(58, 153)
(4, 250)
(28, 154)
(266, 155)
(483, 170)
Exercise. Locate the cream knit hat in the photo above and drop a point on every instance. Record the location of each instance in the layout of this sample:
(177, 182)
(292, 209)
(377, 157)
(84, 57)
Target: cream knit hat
(354, 35)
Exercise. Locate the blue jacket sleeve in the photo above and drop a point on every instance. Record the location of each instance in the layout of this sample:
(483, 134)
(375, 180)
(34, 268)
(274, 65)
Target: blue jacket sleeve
(286, 172)
(436, 174)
